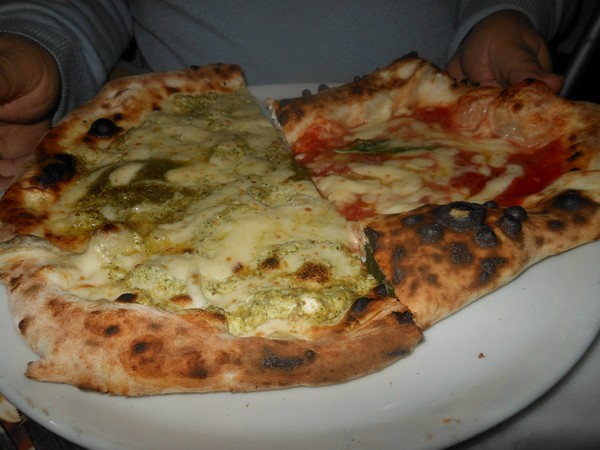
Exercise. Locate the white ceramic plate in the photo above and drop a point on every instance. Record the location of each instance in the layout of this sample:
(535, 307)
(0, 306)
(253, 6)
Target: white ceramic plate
(473, 370)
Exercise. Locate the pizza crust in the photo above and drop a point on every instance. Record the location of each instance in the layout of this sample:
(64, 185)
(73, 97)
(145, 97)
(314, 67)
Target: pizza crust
(131, 349)
(441, 258)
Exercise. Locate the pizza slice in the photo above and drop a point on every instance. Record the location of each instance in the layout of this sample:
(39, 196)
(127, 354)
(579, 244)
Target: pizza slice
(164, 240)
(507, 177)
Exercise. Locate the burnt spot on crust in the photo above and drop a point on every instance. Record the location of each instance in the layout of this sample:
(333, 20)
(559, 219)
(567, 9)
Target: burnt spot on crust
(460, 254)
(490, 204)
(270, 263)
(61, 168)
(103, 128)
(430, 233)
(432, 279)
(382, 290)
(56, 306)
(489, 267)
(398, 275)
(517, 212)
(198, 371)
(127, 297)
(556, 224)
(23, 324)
(485, 236)
(403, 318)
(112, 330)
(413, 219)
(569, 201)
(141, 347)
(398, 253)
(286, 363)
(510, 226)
(397, 352)
(460, 216)
(360, 305)
(311, 271)
(14, 282)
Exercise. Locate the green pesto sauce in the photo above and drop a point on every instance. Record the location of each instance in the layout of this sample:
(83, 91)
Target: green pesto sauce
(290, 304)
(148, 186)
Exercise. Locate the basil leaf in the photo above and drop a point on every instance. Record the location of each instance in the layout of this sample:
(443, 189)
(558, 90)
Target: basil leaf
(368, 146)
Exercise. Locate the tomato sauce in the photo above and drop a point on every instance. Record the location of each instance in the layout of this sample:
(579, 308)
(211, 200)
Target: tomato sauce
(441, 115)
(357, 210)
(319, 137)
(541, 169)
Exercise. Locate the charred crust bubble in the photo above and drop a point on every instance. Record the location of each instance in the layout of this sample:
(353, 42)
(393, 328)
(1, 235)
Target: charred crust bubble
(569, 201)
(517, 212)
(509, 225)
(62, 167)
(430, 233)
(360, 305)
(490, 204)
(103, 128)
(272, 361)
(460, 216)
(381, 290)
(128, 297)
(485, 236)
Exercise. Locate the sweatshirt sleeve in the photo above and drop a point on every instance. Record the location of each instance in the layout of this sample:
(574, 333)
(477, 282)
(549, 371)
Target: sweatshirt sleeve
(86, 37)
(546, 16)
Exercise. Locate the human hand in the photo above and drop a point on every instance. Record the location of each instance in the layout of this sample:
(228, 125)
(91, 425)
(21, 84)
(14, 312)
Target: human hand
(29, 91)
(501, 50)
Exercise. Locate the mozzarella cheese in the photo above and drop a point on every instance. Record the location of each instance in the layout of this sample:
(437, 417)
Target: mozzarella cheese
(422, 172)
(207, 211)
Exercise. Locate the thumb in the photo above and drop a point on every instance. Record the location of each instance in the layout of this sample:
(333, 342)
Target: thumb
(531, 59)
(553, 81)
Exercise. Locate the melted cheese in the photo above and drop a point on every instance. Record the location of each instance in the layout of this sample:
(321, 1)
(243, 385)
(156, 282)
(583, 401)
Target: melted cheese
(210, 215)
(422, 172)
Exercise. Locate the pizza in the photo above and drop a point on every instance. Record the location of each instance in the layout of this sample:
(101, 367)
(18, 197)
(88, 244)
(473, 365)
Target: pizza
(458, 188)
(165, 239)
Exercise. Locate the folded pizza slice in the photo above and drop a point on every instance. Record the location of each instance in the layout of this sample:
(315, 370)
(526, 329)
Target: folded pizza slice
(411, 155)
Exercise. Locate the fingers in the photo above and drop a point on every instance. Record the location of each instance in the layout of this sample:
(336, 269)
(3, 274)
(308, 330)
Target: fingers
(502, 50)
(29, 80)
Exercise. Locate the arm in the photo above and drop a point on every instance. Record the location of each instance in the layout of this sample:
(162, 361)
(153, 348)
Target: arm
(66, 50)
(501, 43)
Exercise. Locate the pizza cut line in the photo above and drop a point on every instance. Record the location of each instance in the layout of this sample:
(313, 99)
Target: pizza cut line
(165, 239)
